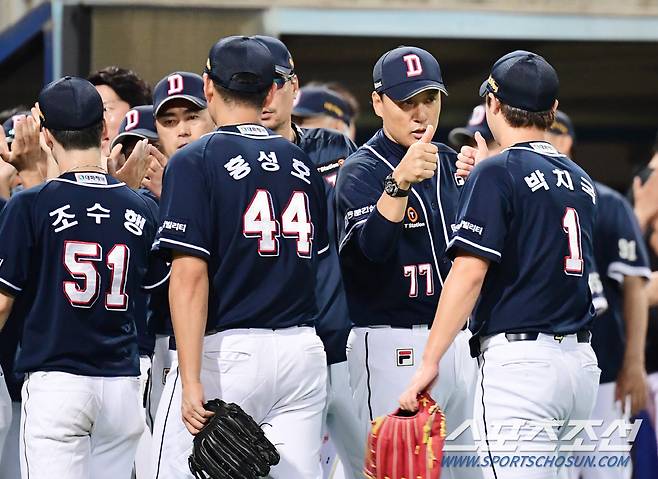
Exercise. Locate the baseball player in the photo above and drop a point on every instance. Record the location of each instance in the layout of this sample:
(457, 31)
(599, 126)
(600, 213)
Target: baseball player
(618, 334)
(74, 251)
(396, 197)
(181, 117)
(523, 247)
(327, 149)
(242, 241)
(121, 89)
(319, 107)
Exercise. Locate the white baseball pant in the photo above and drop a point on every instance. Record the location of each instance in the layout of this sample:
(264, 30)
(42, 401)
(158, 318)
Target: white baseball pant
(277, 376)
(77, 427)
(381, 364)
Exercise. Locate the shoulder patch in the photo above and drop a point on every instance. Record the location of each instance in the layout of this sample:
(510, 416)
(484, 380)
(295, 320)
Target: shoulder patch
(252, 130)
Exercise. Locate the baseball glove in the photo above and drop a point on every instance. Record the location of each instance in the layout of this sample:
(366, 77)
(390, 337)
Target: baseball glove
(407, 445)
(231, 446)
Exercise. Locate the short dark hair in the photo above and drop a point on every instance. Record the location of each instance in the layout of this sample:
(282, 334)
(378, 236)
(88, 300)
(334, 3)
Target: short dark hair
(79, 139)
(254, 100)
(518, 118)
(126, 83)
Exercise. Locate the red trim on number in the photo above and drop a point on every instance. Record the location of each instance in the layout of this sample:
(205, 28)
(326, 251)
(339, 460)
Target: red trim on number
(294, 234)
(579, 254)
(259, 233)
(122, 284)
(87, 260)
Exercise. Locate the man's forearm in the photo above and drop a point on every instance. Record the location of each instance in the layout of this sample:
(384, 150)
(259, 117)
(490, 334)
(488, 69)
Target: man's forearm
(636, 317)
(188, 297)
(460, 293)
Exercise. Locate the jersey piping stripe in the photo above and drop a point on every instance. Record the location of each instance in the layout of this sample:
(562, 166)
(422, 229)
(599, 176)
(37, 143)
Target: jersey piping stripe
(4, 281)
(617, 270)
(181, 243)
(253, 137)
(27, 398)
(484, 420)
(365, 339)
(164, 426)
(89, 185)
(324, 250)
(422, 205)
(438, 198)
(349, 233)
(163, 280)
(488, 250)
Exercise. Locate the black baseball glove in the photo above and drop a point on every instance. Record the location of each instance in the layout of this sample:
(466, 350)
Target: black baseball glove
(231, 446)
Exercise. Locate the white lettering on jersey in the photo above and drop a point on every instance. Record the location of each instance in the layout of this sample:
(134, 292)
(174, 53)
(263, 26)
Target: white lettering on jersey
(237, 167)
(174, 226)
(269, 161)
(563, 179)
(536, 180)
(134, 222)
(588, 188)
(301, 171)
(98, 213)
(62, 221)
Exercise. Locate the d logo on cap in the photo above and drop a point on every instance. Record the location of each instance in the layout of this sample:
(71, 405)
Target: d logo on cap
(132, 119)
(175, 84)
(414, 67)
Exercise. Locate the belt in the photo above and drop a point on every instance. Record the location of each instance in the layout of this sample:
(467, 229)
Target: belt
(581, 336)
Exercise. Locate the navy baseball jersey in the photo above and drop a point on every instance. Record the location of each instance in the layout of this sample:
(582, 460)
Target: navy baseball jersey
(74, 253)
(530, 211)
(327, 150)
(620, 251)
(393, 272)
(251, 204)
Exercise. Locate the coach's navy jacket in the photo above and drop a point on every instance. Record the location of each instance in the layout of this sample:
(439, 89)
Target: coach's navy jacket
(394, 272)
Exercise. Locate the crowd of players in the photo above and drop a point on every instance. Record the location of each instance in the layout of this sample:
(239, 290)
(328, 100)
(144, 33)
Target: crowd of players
(377, 287)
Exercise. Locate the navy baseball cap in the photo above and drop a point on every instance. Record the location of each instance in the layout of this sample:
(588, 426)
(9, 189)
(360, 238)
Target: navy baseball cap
(185, 85)
(244, 56)
(138, 123)
(283, 62)
(8, 125)
(319, 100)
(523, 80)
(70, 103)
(562, 125)
(477, 122)
(406, 71)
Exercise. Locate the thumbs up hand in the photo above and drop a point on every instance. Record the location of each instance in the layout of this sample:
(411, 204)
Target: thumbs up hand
(419, 163)
(468, 157)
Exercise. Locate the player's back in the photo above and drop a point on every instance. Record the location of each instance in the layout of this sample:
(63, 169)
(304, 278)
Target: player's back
(541, 248)
(83, 254)
(260, 232)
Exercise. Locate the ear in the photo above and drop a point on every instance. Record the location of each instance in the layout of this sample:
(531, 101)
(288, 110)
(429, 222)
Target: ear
(50, 141)
(270, 96)
(208, 87)
(295, 86)
(555, 104)
(377, 104)
(495, 103)
(104, 134)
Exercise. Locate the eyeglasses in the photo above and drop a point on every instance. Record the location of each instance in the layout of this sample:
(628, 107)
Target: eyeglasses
(280, 79)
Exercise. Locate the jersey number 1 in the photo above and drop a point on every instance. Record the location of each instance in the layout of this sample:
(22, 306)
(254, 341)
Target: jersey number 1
(573, 264)
(80, 259)
(259, 222)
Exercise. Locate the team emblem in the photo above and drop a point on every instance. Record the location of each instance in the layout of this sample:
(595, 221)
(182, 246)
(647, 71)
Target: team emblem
(414, 67)
(412, 214)
(405, 357)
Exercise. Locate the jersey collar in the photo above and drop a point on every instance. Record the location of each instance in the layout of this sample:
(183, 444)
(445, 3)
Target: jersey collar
(387, 147)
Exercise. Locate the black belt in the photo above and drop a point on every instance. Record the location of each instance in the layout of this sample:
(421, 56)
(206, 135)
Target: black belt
(581, 336)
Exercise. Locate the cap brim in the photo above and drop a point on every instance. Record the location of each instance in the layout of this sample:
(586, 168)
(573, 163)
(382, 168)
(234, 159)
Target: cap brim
(484, 88)
(192, 99)
(404, 91)
(282, 70)
(460, 136)
(305, 112)
(139, 133)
